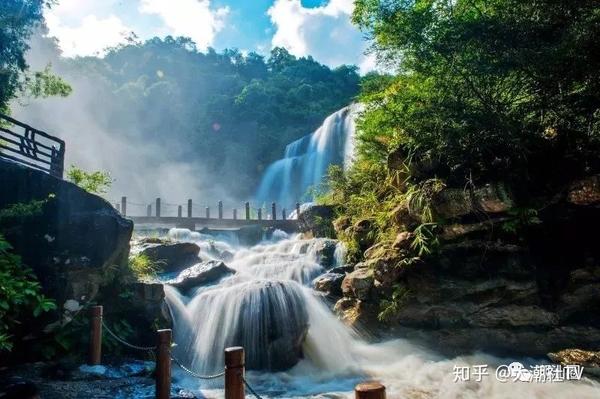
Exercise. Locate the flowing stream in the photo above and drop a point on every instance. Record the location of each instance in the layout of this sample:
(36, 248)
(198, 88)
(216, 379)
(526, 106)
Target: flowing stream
(269, 307)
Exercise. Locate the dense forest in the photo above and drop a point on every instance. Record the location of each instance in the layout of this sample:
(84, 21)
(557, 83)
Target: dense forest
(226, 115)
(486, 91)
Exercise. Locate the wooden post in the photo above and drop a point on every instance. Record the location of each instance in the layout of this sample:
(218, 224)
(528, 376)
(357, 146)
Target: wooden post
(369, 390)
(179, 211)
(234, 373)
(274, 211)
(149, 210)
(247, 211)
(220, 209)
(95, 354)
(283, 215)
(235, 214)
(163, 365)
(124, 206)
(189, 208)
(297, 210)
(207, 212)
(157, 207)
(259, 213)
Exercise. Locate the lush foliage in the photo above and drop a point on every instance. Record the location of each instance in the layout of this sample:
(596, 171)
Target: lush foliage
(486, 89)
(18, 19)
(97, 182)
(143, 267)
(20, 295)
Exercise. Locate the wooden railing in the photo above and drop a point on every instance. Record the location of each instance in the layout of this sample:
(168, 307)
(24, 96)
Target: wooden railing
(31, 147)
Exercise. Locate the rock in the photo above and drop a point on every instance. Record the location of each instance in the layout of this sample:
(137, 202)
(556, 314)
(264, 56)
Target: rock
(585, 192)
(403, 241)
(325, 252)
(452, 203)
(342, 269)
(171, 256)
(576, 356)
(201, 273)
(222, 254)
(73, 242)
(513, 316)
(317, 221)
(402, 217)
(456, 231)
(330, 284)
(148, 303)
(358, 284)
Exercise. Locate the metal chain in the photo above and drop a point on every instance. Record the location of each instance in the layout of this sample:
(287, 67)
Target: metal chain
(118, 339)
(200, 376)
(252, 391)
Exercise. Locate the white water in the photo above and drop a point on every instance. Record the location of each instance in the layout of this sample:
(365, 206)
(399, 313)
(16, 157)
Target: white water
(277, 275)
(307, 159)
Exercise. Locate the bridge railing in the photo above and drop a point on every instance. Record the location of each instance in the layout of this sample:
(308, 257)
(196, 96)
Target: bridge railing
(28, 146)
(159, 208)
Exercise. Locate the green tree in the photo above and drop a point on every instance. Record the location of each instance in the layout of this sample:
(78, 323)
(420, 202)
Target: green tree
(18, 19)
(487, 89)
(97, 182)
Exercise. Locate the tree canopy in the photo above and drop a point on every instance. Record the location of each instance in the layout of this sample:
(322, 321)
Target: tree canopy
(501, 89)
(228, 113)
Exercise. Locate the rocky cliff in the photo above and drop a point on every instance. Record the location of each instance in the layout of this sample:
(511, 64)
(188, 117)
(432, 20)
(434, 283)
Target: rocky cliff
(72, 242)
(501, 279)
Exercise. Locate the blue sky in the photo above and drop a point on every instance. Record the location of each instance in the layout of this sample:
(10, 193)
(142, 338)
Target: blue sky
(320, 28)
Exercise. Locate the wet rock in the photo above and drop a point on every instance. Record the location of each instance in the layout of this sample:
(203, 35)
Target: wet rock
(171, 256)
(585, 192)
(342, 269)
(325, 252)
(358, 284)
(224, 254)
(201, 273)
(317, 221)
(330, 284)
(452, 203)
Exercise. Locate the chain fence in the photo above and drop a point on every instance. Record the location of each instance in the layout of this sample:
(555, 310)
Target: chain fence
(174, 359)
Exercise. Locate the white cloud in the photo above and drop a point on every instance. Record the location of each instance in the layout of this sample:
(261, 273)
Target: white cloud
(91, 36)
(324, 32)
(191, 18)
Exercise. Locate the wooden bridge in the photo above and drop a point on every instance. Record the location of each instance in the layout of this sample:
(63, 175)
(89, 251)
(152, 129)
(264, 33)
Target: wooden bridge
(154, 216)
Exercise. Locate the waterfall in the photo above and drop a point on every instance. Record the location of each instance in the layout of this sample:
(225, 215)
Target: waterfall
(297, 348)
(307, 159)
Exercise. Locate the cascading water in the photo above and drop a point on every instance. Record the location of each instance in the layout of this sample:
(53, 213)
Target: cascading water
(307, 159)
(268, 307)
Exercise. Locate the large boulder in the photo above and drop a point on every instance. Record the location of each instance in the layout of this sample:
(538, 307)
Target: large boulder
(200, 274)
(171, 256)
(75, 239)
